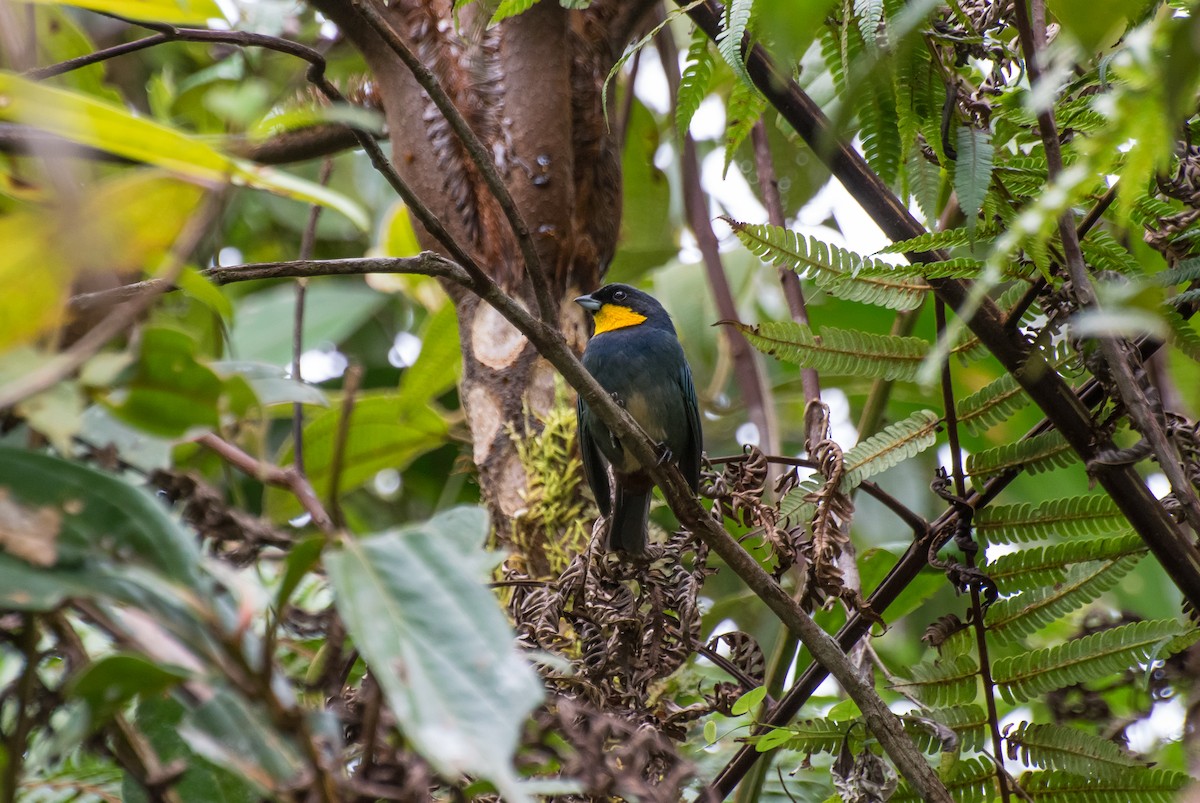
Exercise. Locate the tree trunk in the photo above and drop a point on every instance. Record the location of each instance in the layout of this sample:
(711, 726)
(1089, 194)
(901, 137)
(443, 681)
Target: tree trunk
(530, 88)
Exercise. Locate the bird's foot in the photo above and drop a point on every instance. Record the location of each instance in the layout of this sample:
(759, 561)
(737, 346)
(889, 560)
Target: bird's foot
(617, 398)
(665, 455)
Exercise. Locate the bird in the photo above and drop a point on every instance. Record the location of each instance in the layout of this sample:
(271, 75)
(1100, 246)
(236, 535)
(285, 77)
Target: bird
(635, 355)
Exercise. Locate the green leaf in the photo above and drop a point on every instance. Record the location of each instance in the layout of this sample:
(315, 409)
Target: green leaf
(333, 311)
(108, 683)
(734, 23)
(437, 367)
(1034, 454)
(806, 736)
(177, 12)
(839, 351)
(1144, 786)
(695, 81)
(272, 384)
(970, 781)
(1060, 747)
(438, 644)
(384, 432)
(972, 172)
(942, 683)
(889, 447)
(968, 722)
(110, 128)
(750, 701)
(710, 732)
(237, 736)
(1033, 567)
(170, 391)
(511, 8)
(1034, 672)
(1091, 514)
(745, 107)
(1016, 617)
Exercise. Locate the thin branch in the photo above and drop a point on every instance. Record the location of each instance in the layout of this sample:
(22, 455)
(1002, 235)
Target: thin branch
(475, 148)
(307, 243)
(95, 57)
(427, 263)
(731, 669)
(350, 384)
(287, 478)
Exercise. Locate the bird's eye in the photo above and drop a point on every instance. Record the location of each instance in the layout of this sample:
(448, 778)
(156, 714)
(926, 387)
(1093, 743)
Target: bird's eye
(619, 295)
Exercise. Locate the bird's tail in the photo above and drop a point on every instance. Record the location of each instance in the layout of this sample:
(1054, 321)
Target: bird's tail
(627, 531)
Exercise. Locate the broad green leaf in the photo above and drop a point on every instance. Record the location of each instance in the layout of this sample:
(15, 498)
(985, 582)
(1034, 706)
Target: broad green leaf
(439, 364)
(271, 383)
(170, 391)
(110, 128)
(749, 701)
(648, 237)
(60, 38)
(333, 310)
(108, 683)
(1095, 25)
(36, 281)
(384, 432)
(438, 644)
(232, 734)
(178, 12)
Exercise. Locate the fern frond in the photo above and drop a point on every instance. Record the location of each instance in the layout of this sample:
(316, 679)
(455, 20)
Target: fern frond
(969, 723)
(1034, 567)
(1183, 335)
(973, 171)
(935, 240)
(1144, 786)
(1186, 271)
(745, 106)
(816, 736)
(1028, 674)
(956, 268)
(839, 352)
(869, 15)
(1091, 514)
(839, 272)
(729, 41)
(991, 404)
(1103, 252)
(1016, 617)
(943, 683)
(891, 446)
(695, 81)
(1060, 747)
(1035, 454)
(970, 781)
(878, 127)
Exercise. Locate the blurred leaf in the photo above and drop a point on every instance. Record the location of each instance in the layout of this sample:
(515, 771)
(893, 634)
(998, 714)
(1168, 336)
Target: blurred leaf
(384, 432)
(110, 128)
(139, 449)
(108, 683)
(170, 391)
(333, 311)
(973, 171)
(35, 280)
(439, 645)
(439, 363)
(195, 285)
(56, 413)
(231, 734)
(1095, 25)
(59, 38)
(180, 12)
(271, 383)
(301, 559)
(648, 237)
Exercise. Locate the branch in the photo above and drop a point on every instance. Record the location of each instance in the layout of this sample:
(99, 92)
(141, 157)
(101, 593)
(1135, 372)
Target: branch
(475, 149)
(426, 263)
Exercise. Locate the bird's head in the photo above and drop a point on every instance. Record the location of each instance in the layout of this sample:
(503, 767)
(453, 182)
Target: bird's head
(616, 306)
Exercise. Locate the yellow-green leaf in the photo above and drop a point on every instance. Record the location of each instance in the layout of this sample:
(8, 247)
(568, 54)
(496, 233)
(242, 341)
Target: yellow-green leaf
(179, 12)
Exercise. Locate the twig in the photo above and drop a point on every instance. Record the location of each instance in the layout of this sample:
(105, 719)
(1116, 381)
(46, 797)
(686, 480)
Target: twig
(427, 263)
(17, 741)
(480, 156)
(66, 363)
(731, 669)
(268, 474)
(95, 57)
(350, 383)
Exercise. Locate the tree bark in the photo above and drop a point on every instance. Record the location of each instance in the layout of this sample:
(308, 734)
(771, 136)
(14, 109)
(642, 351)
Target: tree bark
(530, 88)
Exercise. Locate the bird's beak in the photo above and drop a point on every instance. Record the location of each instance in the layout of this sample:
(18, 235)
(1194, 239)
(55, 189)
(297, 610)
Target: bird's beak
(588, 303)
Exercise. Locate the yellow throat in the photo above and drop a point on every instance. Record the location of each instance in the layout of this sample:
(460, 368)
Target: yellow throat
(614, 316)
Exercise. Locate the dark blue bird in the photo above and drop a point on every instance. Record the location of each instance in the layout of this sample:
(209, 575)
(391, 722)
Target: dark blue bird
(635, 355)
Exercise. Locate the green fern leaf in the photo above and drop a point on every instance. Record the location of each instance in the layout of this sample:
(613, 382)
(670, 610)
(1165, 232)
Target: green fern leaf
(972, 172)
(1035, 454)
(1091, 514)
(943, 683)
(1186, 271)
(817, 736)
(1016, 617)
(1029, 674)
(935, 240)
(869, 14)
(839, 272)
(991, 404)
(1033, 567)
(969, 723)
(839, 352)
(1183, 335)
(1103, 252)
(1144, 786)
(694, 83)
(729, 41)
(745, 106)
(889, 447)
(970, 781)
(957, 268)
(1060, 747)
(879, 129)
(924, 182)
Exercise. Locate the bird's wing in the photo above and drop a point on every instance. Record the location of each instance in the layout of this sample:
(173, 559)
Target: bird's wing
(595, 470)
(689, 461)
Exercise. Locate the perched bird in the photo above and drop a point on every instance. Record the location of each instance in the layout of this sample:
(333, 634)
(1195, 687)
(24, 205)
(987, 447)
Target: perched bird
(635, 355)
